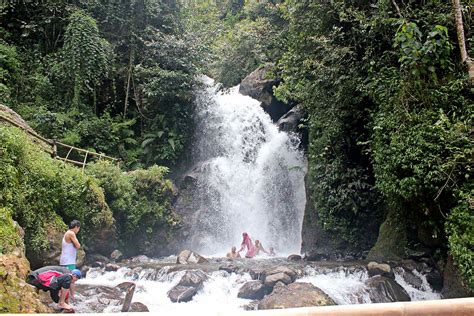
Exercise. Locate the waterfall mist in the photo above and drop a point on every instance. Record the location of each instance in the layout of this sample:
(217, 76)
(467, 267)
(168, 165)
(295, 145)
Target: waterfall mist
(251, 176)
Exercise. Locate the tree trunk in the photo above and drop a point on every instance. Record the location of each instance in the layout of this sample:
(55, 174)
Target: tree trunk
(130, 65)
(462, 43)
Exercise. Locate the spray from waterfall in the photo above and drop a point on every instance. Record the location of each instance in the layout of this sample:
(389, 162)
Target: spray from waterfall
(251, 175)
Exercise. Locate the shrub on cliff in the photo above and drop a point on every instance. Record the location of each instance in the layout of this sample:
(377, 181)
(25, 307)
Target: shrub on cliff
(38, 188)
(141, 202)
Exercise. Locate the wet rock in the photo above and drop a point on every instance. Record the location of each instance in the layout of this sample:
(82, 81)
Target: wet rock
(181, 293)
(193, 278)
(116, 255)
(383, 269)
(294, 257)
(140, 259)
(111, 267)
(138, 307)
(187, 256)
(124, 286)
(258, 274)
(315, 255)
(188, 286)
(292, 121)
(253, 290)
(435, 280)
(283, 269)
(410, 278)
(96, 260)
(230, 268)
(252, 306)
(385, 290)
(295, 295)
(271, 280)
(84, 270)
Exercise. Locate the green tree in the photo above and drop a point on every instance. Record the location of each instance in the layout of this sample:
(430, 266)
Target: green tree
(85, 54)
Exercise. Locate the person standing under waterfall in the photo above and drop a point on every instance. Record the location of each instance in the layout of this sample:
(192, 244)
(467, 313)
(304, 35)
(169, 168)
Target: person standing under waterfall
(247, 243)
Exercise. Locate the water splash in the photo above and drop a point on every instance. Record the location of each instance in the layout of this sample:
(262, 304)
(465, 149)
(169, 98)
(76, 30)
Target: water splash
(251, 176)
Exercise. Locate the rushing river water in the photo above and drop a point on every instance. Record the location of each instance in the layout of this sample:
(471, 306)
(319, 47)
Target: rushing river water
(343, 282)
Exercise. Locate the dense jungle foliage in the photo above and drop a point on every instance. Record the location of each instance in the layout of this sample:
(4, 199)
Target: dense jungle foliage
(389, 102)
(42, 193)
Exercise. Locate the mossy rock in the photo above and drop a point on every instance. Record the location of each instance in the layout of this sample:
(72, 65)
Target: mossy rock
(392, 240)
(10, 240)
(16, 296)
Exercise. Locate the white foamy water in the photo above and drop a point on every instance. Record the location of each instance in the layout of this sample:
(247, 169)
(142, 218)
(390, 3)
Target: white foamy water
(348, 287)
(422, 294)
(251, 176)
(219, 292)
(345, 285)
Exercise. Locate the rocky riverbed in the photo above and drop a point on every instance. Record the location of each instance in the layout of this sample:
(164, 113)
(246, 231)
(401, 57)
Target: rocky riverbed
(219, 284)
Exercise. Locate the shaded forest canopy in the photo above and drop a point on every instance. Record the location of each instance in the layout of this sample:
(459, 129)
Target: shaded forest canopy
(389, 102)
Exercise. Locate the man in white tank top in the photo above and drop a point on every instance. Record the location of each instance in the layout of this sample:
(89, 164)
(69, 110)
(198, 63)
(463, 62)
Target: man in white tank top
(70, 244)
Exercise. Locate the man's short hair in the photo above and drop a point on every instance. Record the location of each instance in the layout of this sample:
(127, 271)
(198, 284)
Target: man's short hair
(74, 223)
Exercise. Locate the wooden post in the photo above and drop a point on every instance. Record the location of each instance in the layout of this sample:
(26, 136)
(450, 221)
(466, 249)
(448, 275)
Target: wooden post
(128, 298)
(84, 163)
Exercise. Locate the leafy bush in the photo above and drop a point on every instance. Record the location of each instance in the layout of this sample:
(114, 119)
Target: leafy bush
(38, 188)
(141, 202)
(460, 229)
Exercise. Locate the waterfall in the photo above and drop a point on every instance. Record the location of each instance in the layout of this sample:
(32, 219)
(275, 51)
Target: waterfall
(251, 175)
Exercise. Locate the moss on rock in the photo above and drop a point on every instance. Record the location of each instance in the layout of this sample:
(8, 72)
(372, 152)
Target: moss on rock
(392, 240)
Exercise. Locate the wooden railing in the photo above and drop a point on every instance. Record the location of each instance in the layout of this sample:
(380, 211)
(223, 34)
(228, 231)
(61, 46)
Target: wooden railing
(51, 146)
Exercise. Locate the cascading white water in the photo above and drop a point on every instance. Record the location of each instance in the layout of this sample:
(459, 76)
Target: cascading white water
(251, 175)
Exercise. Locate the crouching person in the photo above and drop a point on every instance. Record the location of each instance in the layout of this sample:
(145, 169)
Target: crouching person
(56, 280)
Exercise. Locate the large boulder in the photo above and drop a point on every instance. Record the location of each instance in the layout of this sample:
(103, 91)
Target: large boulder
(253, 290)
(187, 256)
(392, 240)
(258, 86)
(385, 290)
(295, 295)
(51, 256)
